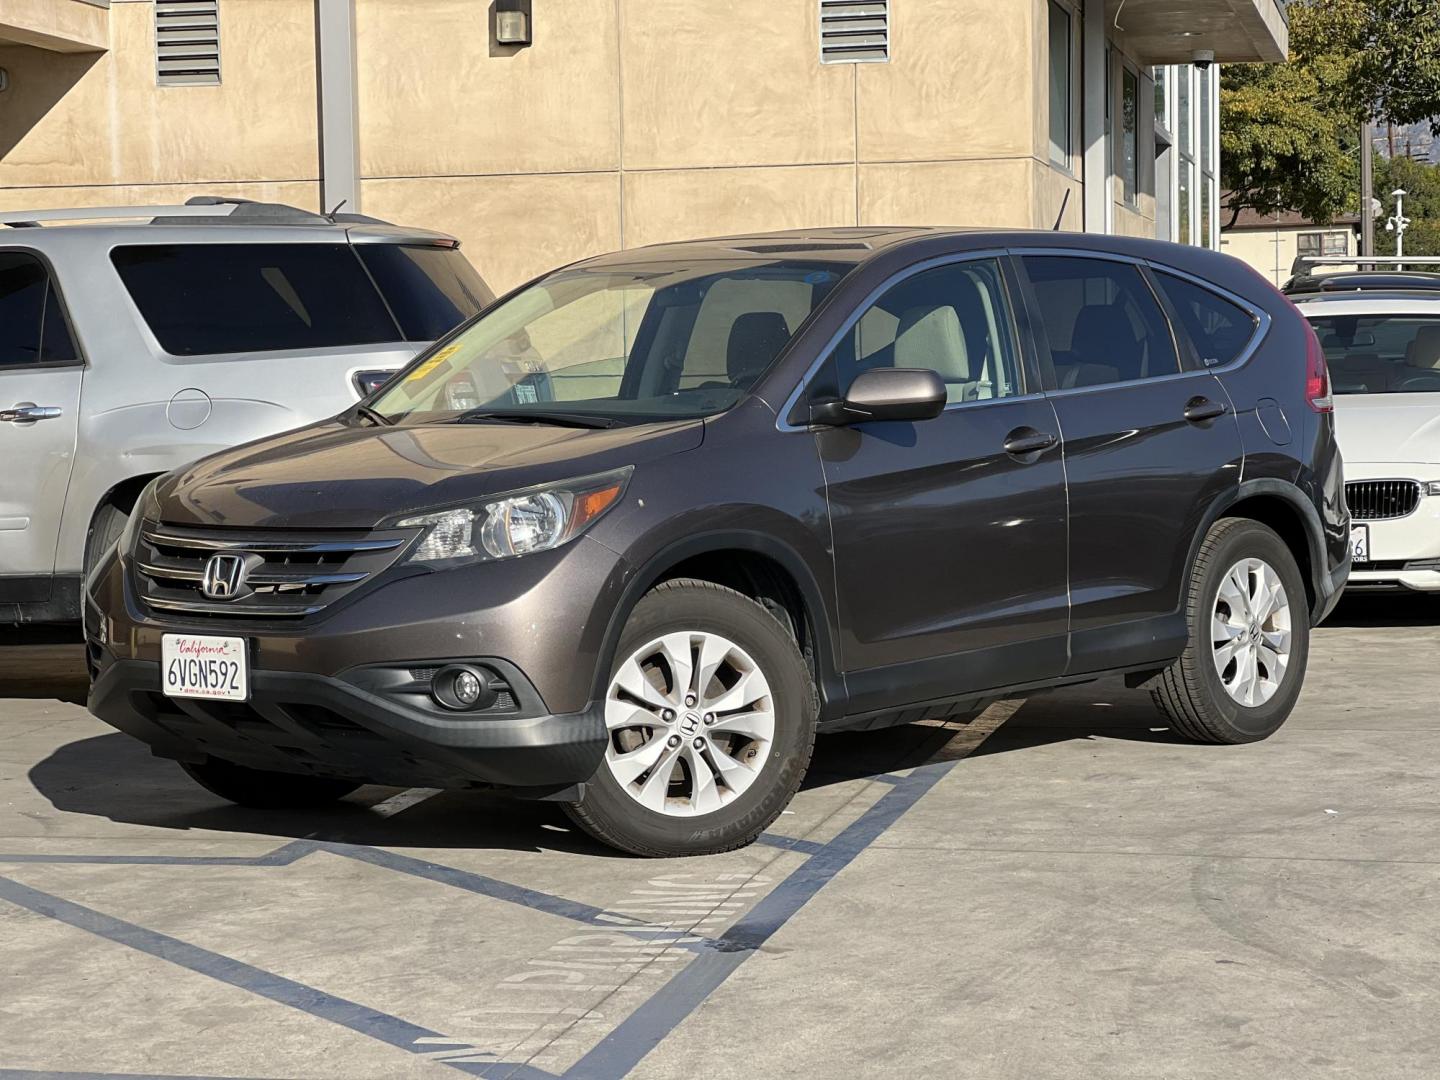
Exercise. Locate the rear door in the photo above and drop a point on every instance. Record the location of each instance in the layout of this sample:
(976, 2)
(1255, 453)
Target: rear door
(948, 534)
(1150, 444)
(40, 377)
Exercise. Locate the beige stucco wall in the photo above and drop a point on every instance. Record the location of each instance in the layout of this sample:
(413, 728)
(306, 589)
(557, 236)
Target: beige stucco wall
(1272, 252)
(85, 121)
(627, 122)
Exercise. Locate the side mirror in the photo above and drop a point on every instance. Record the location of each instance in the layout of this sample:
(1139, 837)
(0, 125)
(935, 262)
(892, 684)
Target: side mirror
(886, 394)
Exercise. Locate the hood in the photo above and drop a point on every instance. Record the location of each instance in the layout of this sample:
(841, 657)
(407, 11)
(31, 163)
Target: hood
(1388, 427)
(333, 475)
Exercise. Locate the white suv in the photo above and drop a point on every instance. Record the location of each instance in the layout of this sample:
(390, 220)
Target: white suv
(1383, 349)
(136, 339)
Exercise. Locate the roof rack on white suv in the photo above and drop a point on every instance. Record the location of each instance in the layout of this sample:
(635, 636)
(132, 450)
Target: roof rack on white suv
(1368, 262)
(209, 209)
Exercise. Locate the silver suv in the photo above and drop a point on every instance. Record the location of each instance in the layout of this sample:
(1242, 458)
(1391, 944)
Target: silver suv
(136, 339)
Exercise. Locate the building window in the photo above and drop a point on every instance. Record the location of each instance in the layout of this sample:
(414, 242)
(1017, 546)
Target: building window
(1060, 74)
(1332, 243)
(1206, 132)
(1130, 135)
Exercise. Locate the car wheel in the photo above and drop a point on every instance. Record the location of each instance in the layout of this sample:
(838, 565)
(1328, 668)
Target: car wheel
(710, 712)
(1249, 618)
(264, 790)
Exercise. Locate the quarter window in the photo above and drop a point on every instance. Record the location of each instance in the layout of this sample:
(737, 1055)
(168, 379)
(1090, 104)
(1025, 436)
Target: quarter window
(1102, 322)
(1219, 329)
(33, 329)
(953, 320)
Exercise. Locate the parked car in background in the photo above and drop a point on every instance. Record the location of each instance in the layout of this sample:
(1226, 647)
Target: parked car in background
(633, 536)
(136, 339)
(1383, 351)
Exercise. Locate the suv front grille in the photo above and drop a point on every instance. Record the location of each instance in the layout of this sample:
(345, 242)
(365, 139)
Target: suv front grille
(289, 574)
(1377, 500)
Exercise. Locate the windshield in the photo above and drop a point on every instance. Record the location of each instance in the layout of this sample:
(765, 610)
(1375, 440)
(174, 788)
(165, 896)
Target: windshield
(644, 342)
(1381, 354)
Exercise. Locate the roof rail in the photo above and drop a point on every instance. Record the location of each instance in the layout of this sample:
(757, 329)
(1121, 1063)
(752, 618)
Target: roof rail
(22, 219)
(1306, 262)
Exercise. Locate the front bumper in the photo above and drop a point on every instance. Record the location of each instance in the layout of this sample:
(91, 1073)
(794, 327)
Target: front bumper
(1405, 551)
(350, 727)
(334, 695)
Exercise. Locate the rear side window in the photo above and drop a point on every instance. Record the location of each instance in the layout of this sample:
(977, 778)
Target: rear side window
(33, 329)
(1219, 329)
(431, 290)
(1103, 323)
(201, 299)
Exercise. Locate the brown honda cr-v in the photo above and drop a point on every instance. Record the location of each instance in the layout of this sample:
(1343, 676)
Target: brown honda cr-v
(636, 533)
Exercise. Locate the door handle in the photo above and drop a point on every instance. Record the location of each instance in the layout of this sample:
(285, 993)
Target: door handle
(1026, 440)
(1199, 409)
(27, 412)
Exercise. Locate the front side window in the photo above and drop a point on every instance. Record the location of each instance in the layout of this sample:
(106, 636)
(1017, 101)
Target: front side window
(1060, 144)
(953, 320)
(1381, 354)
(33, 329)
(204, 299)
(1219, 329)
(1102, 322)
(642, 342)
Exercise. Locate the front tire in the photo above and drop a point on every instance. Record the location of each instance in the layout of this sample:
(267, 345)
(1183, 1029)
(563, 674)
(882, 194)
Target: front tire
(1249, 619)
(710, 712)
(260, 789)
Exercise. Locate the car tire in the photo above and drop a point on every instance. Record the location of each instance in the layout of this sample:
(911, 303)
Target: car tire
(110, 521)
(1212, 694)
(744, 738)
(260, 789)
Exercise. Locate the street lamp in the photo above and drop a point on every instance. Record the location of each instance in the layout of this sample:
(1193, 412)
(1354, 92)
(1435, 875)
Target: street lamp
(1399, 223)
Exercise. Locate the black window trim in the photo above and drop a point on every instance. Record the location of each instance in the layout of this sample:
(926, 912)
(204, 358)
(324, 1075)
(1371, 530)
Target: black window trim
(80, 361)
(1021, 333)
(1262, 317)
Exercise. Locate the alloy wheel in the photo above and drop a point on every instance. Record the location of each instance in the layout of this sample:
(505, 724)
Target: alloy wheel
(1251, 632)
(691, 720)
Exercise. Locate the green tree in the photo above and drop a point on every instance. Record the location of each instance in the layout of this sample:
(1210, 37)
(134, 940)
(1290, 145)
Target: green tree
(1289, 132)
(1421, 182)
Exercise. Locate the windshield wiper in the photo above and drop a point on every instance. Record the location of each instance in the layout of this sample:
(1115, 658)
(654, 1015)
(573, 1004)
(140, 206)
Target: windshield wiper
(379, 419)
(532, 416)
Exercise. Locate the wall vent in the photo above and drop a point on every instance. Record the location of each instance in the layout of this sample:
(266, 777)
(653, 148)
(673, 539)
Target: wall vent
(187, 42)
(854, 31)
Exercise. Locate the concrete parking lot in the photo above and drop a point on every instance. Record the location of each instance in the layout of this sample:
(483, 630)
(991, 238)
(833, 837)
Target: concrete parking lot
(1057, 889)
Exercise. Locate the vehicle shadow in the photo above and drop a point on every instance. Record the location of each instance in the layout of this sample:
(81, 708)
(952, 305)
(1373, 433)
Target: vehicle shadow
(52, 671)
(115, 777)
(1385, 609)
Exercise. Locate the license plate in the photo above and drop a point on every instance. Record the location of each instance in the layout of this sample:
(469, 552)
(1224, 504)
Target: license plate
(1360, 543)
(215, 668)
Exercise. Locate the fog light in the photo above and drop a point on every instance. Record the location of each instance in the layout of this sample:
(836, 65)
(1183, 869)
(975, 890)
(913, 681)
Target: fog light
(462, 688)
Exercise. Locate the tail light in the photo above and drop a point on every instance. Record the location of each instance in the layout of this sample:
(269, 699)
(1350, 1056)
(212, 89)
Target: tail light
(1317, 374)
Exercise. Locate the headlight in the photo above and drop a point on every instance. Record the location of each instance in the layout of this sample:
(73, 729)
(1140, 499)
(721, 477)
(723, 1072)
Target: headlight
(536, 519)
(1433, 487)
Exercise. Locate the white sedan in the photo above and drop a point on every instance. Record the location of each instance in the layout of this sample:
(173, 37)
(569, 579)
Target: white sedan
(1383, 350)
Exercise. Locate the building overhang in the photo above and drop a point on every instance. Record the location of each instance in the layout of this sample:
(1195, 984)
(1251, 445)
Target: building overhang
(1174, 31)
(68, 26)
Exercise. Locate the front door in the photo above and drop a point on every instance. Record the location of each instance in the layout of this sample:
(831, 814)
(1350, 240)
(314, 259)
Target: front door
(40, 375)
(1150, 445)
(949, 534)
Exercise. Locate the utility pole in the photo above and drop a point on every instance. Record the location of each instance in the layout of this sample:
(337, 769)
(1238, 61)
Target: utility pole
(1367, 192)
(1399, 223)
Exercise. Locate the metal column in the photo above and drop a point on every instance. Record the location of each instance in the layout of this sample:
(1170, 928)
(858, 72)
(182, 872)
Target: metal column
(1097, 166)
(339, 117)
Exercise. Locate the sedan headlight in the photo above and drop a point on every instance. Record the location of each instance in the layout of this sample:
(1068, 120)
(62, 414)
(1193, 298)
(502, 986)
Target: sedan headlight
(536, 519)
(1433, 487)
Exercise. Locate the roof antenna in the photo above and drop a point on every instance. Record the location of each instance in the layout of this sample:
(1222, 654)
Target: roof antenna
(342, 202)
(1063, 204)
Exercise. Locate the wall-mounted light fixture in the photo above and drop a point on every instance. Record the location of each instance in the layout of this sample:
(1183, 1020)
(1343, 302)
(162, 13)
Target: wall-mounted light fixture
(513, 25)
(4, 80)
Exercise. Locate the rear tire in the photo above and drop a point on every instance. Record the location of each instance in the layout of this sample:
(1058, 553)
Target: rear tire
(264, 790)
(1249, 620)
(711, 715)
